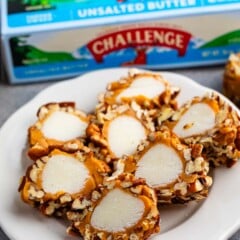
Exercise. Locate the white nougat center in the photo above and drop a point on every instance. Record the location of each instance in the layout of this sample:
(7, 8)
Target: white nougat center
(64, 173)
(197, 119)
(160, 165)
(117, 211)
(124, 135)
(63, 126)
(144, 86)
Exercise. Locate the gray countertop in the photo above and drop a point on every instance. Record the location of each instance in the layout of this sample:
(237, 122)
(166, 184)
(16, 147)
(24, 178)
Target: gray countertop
(12, 97)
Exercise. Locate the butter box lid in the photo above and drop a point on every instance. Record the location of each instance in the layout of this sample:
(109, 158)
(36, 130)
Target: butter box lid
(23, 16)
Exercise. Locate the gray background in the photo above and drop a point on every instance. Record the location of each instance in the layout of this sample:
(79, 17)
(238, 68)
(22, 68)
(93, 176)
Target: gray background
(12, 97)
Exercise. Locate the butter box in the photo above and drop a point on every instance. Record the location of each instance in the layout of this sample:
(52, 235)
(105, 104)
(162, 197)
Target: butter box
(46, 40)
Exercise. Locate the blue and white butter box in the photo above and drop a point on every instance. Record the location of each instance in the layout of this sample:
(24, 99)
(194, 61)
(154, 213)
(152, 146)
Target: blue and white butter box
(58, 39)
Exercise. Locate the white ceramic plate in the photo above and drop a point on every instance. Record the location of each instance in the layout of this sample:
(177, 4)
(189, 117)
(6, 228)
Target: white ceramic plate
(216, 218)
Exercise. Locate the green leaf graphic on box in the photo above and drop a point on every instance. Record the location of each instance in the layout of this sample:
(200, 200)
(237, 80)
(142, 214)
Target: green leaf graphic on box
(66, 1)
(25, 54)
(35, 53)
(17, 6)
(35, 2)
(224, 40)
